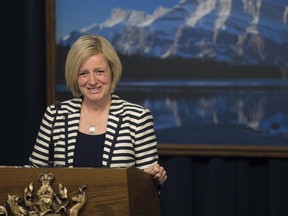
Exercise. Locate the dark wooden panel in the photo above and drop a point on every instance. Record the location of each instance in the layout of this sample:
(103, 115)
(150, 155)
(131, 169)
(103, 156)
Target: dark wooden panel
(110, 191)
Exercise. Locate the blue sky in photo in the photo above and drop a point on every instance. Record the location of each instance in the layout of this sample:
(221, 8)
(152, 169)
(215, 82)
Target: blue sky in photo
(76, 14)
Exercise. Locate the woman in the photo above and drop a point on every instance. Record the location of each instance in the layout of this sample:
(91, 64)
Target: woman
(96, 128)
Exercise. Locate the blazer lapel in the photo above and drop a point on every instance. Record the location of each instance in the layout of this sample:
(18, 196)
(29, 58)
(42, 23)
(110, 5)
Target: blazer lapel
(113, 128)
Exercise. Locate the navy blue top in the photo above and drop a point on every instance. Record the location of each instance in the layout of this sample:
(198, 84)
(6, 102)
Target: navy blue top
(89, 150)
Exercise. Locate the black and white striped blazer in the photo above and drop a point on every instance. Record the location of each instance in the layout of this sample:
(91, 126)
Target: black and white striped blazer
(129, 140)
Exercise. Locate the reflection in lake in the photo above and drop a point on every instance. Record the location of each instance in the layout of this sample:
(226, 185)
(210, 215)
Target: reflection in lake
(239, 112)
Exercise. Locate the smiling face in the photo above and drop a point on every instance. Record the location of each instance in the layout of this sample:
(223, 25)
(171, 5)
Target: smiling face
(95, 79)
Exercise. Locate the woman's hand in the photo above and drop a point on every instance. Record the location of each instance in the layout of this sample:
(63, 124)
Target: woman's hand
(158, 172)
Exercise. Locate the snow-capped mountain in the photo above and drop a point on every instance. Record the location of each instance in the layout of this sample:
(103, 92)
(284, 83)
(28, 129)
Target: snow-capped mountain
(235, 31)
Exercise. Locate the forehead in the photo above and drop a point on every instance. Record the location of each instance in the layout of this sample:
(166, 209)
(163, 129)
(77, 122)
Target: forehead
(97, 60)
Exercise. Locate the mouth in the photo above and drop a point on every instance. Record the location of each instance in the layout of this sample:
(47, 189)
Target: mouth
(94, 89)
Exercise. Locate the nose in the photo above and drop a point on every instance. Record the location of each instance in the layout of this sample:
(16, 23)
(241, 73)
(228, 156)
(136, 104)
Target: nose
(92, 79)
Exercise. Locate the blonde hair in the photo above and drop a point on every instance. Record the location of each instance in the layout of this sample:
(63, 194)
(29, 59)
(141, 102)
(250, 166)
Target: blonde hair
(85, 47)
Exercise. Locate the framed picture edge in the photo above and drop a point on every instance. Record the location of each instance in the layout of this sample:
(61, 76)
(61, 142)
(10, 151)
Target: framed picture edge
(221, 150)
(50, 28)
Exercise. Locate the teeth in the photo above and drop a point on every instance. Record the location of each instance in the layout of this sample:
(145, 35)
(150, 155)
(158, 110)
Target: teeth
(94, 88)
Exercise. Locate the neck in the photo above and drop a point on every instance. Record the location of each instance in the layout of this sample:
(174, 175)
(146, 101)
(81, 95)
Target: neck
(97, 106)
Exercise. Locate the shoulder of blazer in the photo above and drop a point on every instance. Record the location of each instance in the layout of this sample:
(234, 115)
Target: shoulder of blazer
(121, 107)
(68, 107)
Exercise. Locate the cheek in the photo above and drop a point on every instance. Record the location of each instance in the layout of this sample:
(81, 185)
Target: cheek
(80, 82)
(107, 79)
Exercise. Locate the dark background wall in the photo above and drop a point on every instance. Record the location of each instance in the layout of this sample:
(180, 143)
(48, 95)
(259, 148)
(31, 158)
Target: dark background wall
(22, 77)
(203, 186)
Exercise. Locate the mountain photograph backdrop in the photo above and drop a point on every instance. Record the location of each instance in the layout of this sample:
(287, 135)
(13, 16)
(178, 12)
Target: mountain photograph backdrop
(210, 71)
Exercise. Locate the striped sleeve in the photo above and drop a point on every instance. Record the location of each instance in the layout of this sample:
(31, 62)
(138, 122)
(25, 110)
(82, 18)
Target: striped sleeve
(39, 156)
(145, 141)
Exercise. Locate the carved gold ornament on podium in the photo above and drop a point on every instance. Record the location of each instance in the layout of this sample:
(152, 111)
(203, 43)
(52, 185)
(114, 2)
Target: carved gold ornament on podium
(44, 201)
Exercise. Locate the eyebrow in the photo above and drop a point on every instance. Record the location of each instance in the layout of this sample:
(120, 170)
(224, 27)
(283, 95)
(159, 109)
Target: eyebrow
(99, 68)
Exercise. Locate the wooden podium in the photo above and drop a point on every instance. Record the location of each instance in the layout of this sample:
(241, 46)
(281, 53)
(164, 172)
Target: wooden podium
(109, 191)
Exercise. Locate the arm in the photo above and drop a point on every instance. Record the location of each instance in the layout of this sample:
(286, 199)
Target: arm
(147, 144)
(39, 156)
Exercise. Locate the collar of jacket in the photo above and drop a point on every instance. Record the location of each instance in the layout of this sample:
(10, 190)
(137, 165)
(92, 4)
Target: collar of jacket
(116, 107)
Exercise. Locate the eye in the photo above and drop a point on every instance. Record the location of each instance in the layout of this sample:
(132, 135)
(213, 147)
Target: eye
(100, 71)
(83, 73)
